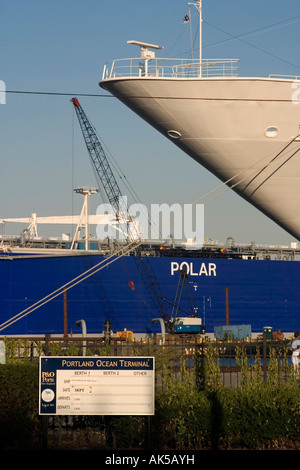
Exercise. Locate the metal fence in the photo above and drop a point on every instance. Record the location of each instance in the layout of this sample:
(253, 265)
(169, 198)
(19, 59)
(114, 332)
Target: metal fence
(231, 359)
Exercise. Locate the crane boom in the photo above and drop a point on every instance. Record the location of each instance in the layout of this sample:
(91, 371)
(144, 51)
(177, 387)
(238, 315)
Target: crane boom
(100, 163)
(107, 180)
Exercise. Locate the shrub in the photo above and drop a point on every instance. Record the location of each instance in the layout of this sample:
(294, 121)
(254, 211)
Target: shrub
(193, 411)
(182, 414)
(19, 420)
(263, 415)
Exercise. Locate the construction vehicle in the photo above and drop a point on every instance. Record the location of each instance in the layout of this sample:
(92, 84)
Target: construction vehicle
(186, 325)
(190, 324)
(124, 335)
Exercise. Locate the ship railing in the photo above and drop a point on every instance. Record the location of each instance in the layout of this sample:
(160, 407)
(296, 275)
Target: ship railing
(169, 68)
(284, 77)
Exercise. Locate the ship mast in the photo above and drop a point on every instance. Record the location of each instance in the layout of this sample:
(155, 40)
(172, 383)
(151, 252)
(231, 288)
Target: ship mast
(198, 5)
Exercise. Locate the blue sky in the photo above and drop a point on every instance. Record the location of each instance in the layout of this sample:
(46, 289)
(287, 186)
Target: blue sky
(61, 46)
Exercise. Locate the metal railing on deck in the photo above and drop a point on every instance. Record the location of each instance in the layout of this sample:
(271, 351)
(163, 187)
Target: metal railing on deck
(284, 77)
(169, 68)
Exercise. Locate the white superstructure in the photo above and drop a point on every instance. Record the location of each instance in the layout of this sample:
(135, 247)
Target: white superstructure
(246, 131)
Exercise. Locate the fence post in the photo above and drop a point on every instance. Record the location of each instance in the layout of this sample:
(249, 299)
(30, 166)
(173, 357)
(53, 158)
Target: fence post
(265, 356)
(47, 336)
(45, 423)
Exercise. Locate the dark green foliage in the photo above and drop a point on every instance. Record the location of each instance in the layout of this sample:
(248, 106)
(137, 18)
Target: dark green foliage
(190, 414)
(182, 420)
(128, 432)
(264, 416)
(19, 418)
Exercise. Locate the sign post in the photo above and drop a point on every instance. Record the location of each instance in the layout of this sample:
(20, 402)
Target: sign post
(101, 385)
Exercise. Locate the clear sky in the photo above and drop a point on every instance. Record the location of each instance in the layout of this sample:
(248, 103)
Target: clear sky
(59, 47)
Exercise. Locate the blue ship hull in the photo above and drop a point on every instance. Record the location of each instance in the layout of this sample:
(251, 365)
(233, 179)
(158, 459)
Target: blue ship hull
(261, 293)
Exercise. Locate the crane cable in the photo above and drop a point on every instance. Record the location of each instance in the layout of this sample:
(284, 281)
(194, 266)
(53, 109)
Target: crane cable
(122, 252)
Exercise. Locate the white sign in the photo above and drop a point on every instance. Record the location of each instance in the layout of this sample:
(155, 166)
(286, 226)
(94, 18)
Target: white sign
(97, 385)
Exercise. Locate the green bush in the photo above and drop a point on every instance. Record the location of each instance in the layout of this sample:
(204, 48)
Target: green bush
(196, 412)
(127, 432)
(182, 414)
(193, 411)
(264, 415)
(19, 420)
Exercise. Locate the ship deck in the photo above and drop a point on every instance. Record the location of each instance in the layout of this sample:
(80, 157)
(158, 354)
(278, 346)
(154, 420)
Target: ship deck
(162, 248)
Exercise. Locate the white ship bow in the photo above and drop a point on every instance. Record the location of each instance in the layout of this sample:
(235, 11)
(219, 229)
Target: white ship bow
(246, 131)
